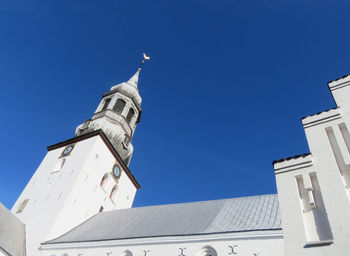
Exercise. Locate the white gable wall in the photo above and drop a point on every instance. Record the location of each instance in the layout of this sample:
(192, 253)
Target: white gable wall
(62, 200)
(323, 179)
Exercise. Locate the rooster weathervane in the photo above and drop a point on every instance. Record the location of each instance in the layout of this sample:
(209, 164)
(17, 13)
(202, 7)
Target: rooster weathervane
(145, 58)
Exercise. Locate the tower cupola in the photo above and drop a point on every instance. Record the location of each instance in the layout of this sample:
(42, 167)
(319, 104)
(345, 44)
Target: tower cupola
(117, 115)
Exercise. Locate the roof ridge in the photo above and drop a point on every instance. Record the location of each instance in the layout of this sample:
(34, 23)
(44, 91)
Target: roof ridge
(194, 202)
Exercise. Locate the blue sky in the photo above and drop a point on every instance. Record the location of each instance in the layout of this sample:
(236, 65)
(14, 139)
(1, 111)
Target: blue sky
(223, 94)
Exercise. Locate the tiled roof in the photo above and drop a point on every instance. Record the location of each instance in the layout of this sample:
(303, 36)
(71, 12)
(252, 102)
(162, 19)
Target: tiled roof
(206, 217)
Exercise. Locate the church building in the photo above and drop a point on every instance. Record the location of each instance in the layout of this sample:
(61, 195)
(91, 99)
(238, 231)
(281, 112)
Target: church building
(79, 200)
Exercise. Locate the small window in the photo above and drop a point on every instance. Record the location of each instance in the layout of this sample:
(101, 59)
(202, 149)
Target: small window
(107, 101)
(59, 165)
(113, 194)
(103, 183)
(130, 114)
(22, 206)
(126, 140)
(101, 209)
(119, 106)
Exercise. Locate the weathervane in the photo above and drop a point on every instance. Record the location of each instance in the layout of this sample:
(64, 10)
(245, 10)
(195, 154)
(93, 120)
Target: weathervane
(145, 57)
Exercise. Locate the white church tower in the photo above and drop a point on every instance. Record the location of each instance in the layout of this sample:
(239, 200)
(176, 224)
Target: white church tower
(314, 189)
(86, 174)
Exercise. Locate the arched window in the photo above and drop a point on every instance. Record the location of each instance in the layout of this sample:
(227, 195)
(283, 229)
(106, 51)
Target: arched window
(107, 101)
(119, 106)
(59, 165)
(126, 253)
(113, 194)
(130, 114)
(207, 251)
(126, 139)
(103, 182)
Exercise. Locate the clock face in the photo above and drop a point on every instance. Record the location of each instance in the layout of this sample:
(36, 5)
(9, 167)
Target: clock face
(67, 150)
(116, 171)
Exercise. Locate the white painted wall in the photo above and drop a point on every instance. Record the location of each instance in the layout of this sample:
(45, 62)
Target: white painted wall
(303, 225)
(260, 243)
(3, 253)
(61, 200)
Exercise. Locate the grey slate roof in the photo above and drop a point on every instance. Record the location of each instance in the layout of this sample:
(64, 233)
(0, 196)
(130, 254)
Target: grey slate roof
(206, 217)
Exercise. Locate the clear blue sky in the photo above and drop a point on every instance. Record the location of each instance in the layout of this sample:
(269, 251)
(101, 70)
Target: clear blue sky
(223, 94)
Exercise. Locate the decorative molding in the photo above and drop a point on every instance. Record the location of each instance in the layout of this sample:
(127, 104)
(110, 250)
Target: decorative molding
(293, 164)
(321, 118)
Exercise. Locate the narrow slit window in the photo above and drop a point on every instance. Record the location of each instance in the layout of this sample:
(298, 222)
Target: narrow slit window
(130, 115)
(107, 101)
(316, 223)
(103, 183)
(119, 106)
(346, 135)
(113, 194)
(126, 139)
(101, 209)
(59, 165)
(339, 158)
(22, 206)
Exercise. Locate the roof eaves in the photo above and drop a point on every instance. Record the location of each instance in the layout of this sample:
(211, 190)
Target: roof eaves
(344, 76)
(174, 235)
(290, 158)
(327, 110)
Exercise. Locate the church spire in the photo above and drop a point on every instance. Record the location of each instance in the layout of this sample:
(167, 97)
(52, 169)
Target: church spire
(118, 114)
(134, 80)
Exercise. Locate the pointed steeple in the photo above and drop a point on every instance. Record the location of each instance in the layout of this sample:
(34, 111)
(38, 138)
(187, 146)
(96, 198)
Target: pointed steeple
(134, 80)
(118, 114)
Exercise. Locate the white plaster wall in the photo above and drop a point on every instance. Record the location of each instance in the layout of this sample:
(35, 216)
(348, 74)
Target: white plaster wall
(86, 196)
(340, 90)
(223, 244)
(60, 201)
(3, 253)
(335, 194)
(291, 212)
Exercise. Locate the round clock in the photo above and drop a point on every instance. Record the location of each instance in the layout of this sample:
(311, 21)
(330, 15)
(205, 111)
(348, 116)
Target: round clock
(116, 171)
(68, 149)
